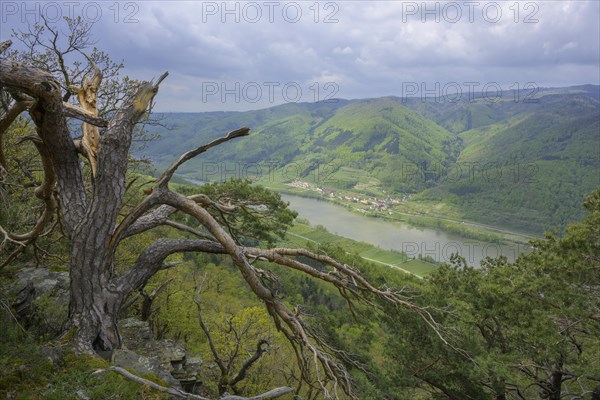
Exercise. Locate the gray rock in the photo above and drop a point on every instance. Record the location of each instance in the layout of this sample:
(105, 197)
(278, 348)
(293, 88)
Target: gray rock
(37, 292)
(45, 281)
(133, 330)
(141, 352)
(143, 365)
(137, 336)
(169, 355)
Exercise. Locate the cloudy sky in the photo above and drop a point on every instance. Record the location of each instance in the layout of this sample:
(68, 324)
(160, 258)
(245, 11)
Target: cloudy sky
(249, 55)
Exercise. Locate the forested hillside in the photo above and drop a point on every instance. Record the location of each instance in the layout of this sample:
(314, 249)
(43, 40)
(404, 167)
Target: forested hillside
(490, 161)
(530, 163)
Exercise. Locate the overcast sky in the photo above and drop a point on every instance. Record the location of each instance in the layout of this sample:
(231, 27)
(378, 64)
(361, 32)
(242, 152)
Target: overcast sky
(250, 55)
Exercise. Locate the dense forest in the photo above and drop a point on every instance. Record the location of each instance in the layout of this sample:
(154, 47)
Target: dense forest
(209, 267)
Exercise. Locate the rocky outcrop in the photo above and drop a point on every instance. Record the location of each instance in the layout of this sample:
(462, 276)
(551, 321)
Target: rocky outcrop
(41, 298)
(41, 301)
(142, 365)
(166, 355)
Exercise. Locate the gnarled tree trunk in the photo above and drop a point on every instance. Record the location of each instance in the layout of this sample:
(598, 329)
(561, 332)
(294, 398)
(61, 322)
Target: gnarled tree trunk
(92, 223)
(88, 223)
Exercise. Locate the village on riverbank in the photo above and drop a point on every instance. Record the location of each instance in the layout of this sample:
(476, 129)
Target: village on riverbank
(372, 203)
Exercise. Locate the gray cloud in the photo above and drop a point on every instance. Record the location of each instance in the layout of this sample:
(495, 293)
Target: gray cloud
(348, 49)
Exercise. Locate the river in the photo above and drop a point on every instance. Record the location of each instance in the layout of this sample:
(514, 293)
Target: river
(412, 240)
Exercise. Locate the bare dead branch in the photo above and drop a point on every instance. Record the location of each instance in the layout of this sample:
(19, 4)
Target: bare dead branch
(136, 221)
(172, 391)
(16, 109)
(159, 217)
(151, 260)
(168, 174)
(73, 111)
(148, 299)
(15, 254)
(271, 394)
(161, 78)
(45, 192)
(241, 375)
(86, 94)
(8, 238)
(188, 229)
(5, 305)
(48, 116)
(211, 343)
(136, 215)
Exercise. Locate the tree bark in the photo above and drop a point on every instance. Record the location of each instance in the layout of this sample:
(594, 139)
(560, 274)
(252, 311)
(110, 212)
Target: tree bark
(555, 382)
(94, 306)
(88, 222)
(95, 299)
(271, 394)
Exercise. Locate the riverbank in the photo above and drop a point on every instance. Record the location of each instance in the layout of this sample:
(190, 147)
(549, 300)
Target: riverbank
(302, 233)
(415, 242)
(464, 228)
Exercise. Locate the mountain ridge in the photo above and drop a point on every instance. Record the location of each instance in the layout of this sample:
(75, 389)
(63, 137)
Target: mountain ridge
(404, 145)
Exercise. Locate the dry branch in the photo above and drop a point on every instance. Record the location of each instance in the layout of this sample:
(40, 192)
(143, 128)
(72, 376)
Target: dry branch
(45, 192)
(86, 94)
(271, 394)
(47, 112)
(73, 111)
(227, 368)
(131, 220)
(168, 174)
(211, 343)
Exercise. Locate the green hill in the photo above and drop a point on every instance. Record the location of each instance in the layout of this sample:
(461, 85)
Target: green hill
(379, 137)
(530, 169)
(519, 164)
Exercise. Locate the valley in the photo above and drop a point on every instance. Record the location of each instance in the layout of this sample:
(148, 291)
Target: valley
(494, 171)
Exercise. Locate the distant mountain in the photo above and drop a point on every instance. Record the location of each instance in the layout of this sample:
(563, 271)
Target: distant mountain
(530, 169)
(378, 136)
(514, 163)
